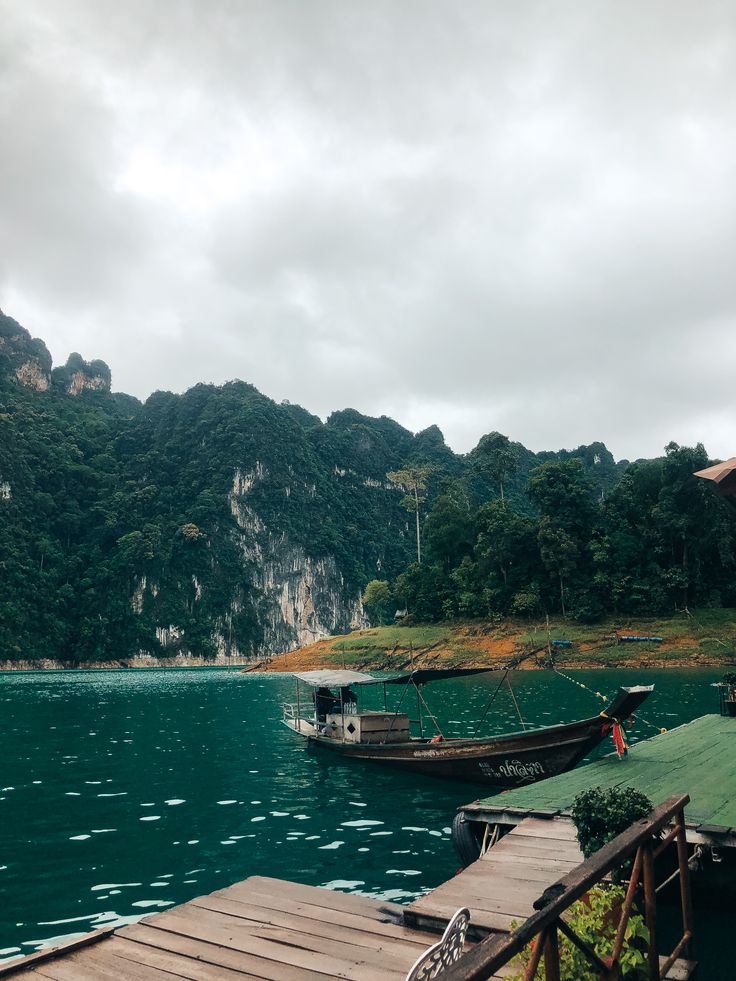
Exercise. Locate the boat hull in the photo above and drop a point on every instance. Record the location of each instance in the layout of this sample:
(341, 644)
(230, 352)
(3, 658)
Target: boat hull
(504, 762)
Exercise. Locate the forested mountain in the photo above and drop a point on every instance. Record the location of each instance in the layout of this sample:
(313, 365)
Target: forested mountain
(219, 522)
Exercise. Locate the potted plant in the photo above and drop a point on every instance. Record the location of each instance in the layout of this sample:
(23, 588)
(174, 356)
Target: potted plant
(601, 815)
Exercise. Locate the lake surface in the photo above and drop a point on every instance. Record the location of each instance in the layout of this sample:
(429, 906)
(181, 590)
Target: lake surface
(124, 792)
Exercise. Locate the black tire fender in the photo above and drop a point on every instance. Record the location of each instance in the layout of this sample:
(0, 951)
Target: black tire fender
(467, 838)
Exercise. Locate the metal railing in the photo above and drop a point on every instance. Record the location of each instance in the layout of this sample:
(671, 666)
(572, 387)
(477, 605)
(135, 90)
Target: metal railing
(645, 842)
(291, 710)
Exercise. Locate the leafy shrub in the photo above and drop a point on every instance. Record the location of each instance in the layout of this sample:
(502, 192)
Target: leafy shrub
(600, 815)
(595, 920)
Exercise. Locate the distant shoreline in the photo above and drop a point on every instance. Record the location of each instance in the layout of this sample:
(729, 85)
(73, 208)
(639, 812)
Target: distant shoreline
(123, 664)
(702, 638)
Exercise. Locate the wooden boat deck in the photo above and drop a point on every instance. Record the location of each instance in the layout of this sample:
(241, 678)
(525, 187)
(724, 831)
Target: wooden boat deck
(502, 885)
(258, 930)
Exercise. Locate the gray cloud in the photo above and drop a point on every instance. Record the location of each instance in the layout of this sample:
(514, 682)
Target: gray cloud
(483, 217)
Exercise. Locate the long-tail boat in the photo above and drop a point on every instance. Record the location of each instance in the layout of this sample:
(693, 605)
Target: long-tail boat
(329, 717)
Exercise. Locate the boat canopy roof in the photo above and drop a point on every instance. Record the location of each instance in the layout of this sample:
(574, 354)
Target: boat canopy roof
(335, 679)
(342, 679)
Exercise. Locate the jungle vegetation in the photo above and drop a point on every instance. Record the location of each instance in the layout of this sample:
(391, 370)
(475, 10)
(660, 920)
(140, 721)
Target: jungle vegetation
(101, 496)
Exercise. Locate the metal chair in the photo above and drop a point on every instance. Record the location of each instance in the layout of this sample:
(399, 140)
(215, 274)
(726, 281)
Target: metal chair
(445, 952)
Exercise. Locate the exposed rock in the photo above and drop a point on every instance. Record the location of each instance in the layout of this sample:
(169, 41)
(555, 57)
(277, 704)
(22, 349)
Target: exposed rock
(301, 598)
(81, 381)
(136, 600)
(142, 660)
(32, 375)
(22, 357)
(244, 482)
(5, 492)
(78, 376)
(168, 636)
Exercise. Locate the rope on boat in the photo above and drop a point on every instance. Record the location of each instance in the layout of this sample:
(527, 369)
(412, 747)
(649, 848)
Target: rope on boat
(429, 712)
(493, 698)
(567, 677)
(396, 713)
(488, 706)
(598, 694)
(516, 704)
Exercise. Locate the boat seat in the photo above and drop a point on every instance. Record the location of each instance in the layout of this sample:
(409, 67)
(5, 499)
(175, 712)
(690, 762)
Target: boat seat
(446, 952)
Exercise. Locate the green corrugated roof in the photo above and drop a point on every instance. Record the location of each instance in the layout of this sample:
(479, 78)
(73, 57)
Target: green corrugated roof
(698, 759)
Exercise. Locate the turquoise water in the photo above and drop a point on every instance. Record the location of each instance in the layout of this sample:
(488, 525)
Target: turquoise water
(124, 792)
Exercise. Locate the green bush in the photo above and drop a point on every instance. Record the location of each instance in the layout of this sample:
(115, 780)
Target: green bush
(600, 815)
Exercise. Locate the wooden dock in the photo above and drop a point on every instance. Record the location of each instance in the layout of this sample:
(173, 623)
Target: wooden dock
(258, 930)
(502, 885)
(266, 929)
(694, 758)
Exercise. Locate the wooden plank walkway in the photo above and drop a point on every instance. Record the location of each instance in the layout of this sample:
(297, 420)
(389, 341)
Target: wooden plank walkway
(254, 930)
(694, 758)
(502, 885)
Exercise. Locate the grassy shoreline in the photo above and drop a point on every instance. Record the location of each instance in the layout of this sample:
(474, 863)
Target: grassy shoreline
(703, 638)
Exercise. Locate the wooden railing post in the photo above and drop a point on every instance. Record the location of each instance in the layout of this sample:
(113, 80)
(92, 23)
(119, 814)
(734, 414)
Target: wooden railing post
(650, 909)
(685, 895)
(551, 954)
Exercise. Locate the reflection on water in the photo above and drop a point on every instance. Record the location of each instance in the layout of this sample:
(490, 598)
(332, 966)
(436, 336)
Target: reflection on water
(124, 792)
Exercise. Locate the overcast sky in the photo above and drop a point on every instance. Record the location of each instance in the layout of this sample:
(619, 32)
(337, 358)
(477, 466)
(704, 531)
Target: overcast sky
(482, 215)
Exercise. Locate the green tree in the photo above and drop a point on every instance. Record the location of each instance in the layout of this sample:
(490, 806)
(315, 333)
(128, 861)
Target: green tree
(413, 481)
(448, 530)
(496, 456)
(506, 543)
(563, 494)
(376, 598)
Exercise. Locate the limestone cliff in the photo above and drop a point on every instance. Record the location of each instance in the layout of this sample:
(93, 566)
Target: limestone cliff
(26, 360)
(79, 375)
(302, 598)
(23, 358)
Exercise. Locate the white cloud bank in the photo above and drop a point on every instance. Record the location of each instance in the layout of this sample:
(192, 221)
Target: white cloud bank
(482, 215)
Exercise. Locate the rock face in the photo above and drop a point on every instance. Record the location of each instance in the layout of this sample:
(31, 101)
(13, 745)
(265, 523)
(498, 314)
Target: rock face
(302, 599)
(32, 375)
(26, 360)
(79, 375)
(23, 358)
(81, 381)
